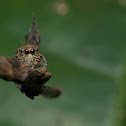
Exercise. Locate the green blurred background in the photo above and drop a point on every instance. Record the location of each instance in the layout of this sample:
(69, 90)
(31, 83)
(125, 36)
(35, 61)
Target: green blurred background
(84, 42)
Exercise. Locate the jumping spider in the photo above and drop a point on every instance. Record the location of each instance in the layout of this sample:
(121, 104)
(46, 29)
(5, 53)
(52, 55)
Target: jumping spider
(30, 55)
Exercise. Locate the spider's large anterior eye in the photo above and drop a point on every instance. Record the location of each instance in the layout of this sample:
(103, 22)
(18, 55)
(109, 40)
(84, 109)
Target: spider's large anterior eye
(36, 49)
(26, 51)
(32, 51)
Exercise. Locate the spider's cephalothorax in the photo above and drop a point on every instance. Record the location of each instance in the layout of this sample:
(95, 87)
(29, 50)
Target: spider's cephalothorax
(30, 55)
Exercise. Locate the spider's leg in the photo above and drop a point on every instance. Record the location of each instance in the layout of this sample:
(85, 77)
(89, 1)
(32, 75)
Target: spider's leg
(44, 62)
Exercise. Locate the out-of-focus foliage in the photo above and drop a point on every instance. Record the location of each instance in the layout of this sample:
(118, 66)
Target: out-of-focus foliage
(84, 42)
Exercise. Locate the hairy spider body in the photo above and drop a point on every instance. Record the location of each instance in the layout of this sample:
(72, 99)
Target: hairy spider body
(30, 55)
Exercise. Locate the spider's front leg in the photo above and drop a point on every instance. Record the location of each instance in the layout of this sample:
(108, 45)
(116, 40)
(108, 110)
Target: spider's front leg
(44, 61)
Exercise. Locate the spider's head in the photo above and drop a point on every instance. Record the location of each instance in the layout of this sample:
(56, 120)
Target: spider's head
(28, 53)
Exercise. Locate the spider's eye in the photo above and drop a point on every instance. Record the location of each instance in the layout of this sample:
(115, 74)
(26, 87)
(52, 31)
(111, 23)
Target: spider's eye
(36, 49)
(21, 51)
(26, 51)
(32, 51)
